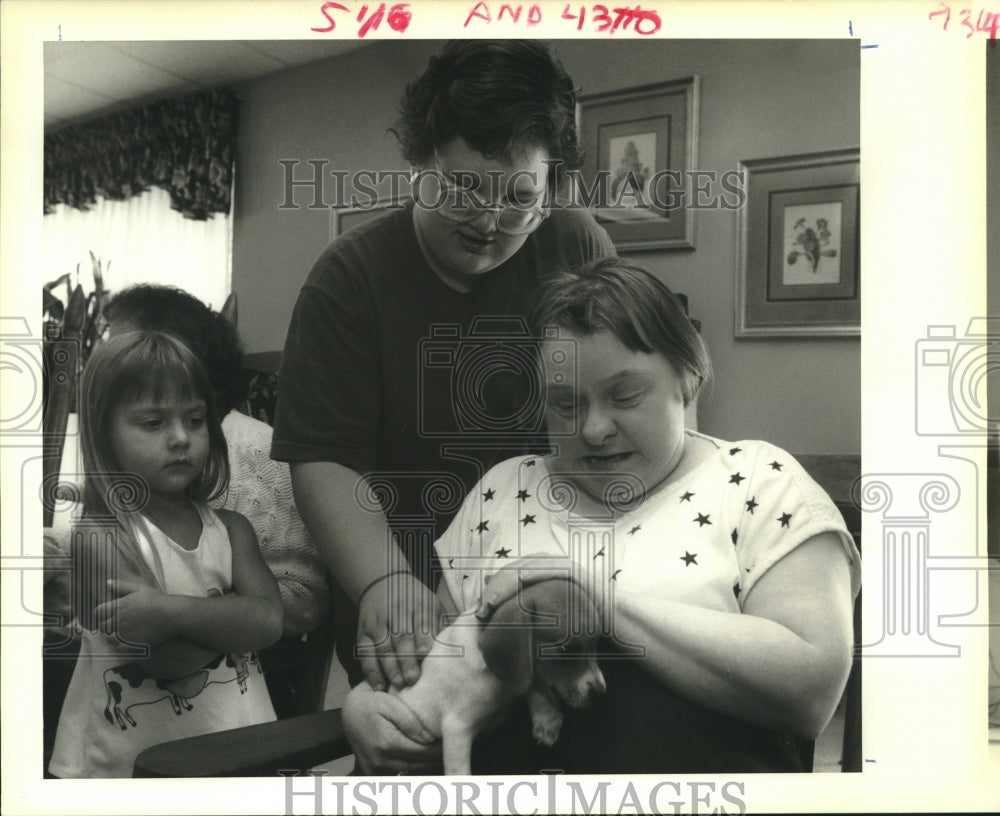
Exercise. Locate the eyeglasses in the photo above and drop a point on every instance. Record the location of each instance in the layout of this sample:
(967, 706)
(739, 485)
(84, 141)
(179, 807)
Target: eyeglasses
(462, 205)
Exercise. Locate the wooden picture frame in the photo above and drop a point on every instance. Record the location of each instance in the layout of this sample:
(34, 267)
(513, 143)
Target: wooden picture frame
(640, 150)
(798, 246)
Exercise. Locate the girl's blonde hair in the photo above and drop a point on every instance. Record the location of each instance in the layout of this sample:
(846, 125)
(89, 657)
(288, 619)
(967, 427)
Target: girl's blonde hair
(124, 369)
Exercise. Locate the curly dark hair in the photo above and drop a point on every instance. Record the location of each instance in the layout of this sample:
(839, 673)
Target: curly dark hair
(496, 95)
(212, 338)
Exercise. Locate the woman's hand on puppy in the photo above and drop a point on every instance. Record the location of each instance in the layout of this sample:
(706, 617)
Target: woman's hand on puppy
(386, 736)
(504, 584)
(398, 617)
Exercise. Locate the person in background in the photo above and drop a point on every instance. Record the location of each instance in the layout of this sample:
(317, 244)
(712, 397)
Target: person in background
(406, 371)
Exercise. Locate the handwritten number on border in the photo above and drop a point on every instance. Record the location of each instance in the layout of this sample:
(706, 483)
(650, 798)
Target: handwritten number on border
(986, 21)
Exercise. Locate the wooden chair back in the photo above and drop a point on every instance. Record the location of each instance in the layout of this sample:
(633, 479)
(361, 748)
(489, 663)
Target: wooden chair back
(62, 364)
(230, 309)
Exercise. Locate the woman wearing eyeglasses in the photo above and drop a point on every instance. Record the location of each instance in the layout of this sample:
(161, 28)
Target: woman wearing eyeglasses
(407, 371)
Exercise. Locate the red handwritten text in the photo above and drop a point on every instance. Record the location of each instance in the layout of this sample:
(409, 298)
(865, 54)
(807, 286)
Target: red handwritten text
(601, 18)
(642, 21)
(481, 11)
(986, 22)
(397, 17)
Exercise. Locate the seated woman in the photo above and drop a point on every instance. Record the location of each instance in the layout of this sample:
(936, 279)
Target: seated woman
(260, 488)
(723, 573)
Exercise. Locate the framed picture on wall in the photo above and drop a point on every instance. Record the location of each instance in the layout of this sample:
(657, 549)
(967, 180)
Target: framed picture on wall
(640, 145)
(344, 218)
(798, 271)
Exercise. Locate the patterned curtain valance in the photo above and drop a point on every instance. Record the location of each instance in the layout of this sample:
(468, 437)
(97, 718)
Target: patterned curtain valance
(187, 146)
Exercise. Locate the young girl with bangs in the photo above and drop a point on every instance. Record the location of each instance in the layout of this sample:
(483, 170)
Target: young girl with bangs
(173, 599)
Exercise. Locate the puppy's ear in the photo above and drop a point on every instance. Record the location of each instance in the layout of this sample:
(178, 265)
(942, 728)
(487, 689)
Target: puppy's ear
(583, 618)
(507, 646)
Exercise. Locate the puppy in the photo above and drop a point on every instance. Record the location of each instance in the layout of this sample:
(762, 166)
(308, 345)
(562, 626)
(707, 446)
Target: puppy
(540, 644)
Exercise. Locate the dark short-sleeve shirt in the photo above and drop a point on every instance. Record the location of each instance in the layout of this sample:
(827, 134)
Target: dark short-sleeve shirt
(390, 372)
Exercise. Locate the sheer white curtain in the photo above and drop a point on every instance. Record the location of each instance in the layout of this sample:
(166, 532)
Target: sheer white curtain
(144, 241)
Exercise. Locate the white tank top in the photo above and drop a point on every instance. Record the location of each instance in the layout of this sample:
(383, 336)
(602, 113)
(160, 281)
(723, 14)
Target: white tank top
(114, 709)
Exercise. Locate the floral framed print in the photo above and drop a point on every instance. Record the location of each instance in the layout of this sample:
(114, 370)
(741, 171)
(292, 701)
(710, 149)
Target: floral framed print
(798, 246)
(640, 150)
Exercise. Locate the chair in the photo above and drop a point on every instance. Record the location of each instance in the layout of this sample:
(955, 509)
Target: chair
(62, 363)
(296, 671)
(61, 374)
(295, 743)
(231, 310)
(303, 742)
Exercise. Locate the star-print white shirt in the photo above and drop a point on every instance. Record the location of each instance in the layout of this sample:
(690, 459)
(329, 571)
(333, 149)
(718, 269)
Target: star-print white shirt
(704, 539)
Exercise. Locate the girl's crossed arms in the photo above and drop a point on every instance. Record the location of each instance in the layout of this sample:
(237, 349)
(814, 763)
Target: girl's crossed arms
(184, 632)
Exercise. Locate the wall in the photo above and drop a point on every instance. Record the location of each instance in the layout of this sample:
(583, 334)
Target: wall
(758, 99)
(336, 110)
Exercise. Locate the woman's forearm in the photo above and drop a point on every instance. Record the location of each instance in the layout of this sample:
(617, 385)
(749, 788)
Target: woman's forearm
(397, 618)
(749, 667)
(354, 542)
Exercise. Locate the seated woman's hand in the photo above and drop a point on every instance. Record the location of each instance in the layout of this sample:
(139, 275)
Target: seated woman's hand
(386, 736)
(504, 584)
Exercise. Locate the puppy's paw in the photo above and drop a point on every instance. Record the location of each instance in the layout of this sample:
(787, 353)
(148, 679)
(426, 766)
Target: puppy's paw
(545, 727)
